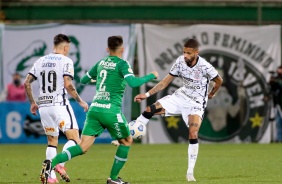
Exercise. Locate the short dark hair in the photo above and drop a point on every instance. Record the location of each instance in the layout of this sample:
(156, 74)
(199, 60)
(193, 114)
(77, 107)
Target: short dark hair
(192, 43)
(114, 42)
(61, 38)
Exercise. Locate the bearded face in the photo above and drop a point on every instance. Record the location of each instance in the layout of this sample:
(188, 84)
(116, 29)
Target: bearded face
(190, 55)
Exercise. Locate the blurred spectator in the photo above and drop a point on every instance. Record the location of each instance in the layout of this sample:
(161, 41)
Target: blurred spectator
(276, 92)
(14, 91)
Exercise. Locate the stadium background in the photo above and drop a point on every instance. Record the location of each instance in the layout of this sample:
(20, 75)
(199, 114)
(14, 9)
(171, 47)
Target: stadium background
(183, 13)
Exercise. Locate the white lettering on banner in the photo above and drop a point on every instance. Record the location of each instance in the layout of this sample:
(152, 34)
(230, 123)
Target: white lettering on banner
(13, 125)
(108, 106)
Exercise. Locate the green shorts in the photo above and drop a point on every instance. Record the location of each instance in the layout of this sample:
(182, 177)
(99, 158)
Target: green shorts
(97, 122)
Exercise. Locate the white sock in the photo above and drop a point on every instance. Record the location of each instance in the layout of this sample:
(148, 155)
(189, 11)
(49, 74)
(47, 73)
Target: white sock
(144, 120)
(68, 144)
(192, 157)
(51, 152)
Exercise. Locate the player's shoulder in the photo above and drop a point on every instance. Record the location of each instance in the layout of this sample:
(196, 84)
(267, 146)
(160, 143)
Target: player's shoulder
(203, 62)
(180, 59)
(66, 59)
(123, 62)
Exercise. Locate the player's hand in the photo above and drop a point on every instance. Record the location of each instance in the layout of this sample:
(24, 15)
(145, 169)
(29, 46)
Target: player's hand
(155, 74)
(139, 98)
(33, 108)
(210, 96)
(84, 105)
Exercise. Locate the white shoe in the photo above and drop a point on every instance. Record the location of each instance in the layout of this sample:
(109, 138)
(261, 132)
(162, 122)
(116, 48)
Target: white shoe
(115, 143)
(190, 177)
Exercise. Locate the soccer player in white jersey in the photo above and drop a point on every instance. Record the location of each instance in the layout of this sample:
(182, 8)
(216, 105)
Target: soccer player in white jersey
(54, 73)
(190, 100)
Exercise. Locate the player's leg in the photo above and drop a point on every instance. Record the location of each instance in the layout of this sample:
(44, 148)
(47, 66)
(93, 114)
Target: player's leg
(92, 128)
(51, 130)
(194, 121)
(51, 152)
(67, 123)
(118, 128)
(150, 111)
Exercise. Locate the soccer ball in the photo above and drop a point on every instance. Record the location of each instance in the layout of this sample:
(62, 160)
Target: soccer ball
(137, 129)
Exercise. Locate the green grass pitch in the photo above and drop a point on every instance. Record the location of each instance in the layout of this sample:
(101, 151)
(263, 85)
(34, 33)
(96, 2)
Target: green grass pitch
(152, 164)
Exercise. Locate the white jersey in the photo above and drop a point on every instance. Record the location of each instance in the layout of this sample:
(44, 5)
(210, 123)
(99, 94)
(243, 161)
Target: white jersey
(195, 79)
(50, 70)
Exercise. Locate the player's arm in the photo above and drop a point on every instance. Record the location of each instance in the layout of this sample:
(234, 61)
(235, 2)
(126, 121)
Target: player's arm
(133, 81)
(90, 76)
(73, 93)
(71, 89)
(160, 86)
(27, 85)
(217, 83)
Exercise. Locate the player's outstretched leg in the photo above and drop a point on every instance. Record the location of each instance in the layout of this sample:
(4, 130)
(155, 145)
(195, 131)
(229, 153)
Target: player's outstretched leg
(117, 181)
(45, 171)
(62, 171)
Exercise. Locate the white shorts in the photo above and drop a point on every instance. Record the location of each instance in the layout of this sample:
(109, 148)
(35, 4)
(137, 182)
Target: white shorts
(176, 106)
(54, 118)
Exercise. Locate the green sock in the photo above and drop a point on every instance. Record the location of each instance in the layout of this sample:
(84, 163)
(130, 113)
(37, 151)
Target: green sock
(67, 155)
(120, 159)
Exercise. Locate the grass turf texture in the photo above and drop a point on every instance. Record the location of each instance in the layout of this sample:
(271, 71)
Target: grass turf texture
(151, 164)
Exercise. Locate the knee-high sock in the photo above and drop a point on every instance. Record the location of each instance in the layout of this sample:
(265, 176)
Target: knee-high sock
(51, 152)
(68, 144)
(193, 149)
(66, 155)
(143, 119)
(120, 159)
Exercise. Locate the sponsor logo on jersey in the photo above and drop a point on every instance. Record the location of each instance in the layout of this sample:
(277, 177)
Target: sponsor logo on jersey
(108, 65)
(45, 98)
(102, 96)
(107, 106)
(53, 57)
(49, 129)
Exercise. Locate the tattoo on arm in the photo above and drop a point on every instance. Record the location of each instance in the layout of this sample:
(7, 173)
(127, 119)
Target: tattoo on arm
(72, 91)
(161, 85)
(27, 84)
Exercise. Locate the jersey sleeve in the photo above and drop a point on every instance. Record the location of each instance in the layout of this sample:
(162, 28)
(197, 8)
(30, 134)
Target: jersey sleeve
(174, 71)
(33, 71)
(211, 72)
(91, 74)
(68, 69)
(125, 69)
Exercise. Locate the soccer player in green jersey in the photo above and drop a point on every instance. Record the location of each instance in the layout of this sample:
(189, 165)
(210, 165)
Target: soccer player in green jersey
(111, 75)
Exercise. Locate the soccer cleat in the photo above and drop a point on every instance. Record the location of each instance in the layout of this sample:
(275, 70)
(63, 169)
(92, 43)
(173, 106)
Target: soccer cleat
(52, 180)
(45, 171)
(115, 143)
(62, 171)
(117, 181)
(190, 177)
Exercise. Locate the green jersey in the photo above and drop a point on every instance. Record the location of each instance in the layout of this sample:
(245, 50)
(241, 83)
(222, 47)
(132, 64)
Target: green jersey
(110, 74)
